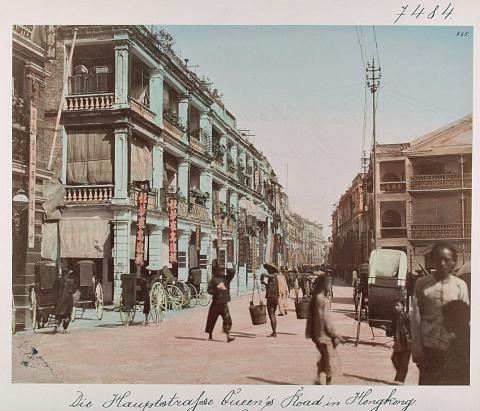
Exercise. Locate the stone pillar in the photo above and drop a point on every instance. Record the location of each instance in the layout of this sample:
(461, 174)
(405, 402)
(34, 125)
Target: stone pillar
(235, 158)
(183, 177)
(120, 251)
(121, 165)
(183, 115)
(156, 95)
(224, 143)
(206, 127)
(183, 246)
(206, 187)
(155, 247)
(158, 171)
(121, 74)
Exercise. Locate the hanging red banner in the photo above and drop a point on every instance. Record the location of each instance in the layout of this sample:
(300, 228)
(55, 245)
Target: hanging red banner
(142, 200)
(172, 230)
(32, 175)
(198, 232)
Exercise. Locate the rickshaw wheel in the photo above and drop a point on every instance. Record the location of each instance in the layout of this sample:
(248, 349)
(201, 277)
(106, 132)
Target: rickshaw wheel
(33, 308)
(203, 298)
(157, 295)
(185, 290)
(175, 297)
(126, 314)
(99, 301)
(192, 302)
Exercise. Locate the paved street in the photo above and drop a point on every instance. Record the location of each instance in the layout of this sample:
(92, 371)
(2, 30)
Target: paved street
(177, 351)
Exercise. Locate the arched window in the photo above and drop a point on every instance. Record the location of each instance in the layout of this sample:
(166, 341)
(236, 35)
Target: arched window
(391, 218)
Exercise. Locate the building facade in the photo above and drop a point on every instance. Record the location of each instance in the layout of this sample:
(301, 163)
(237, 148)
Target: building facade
(423, 195)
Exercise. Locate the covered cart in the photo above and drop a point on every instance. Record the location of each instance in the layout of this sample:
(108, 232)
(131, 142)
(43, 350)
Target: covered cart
(90, 289)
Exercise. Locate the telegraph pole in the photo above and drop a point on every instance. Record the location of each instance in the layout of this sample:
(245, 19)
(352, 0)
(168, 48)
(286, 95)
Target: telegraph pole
(373, 83)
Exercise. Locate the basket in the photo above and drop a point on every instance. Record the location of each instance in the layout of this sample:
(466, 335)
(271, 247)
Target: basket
(258, 313)
(301, 309)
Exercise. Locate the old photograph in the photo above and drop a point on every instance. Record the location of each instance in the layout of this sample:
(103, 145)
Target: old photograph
(264, 204)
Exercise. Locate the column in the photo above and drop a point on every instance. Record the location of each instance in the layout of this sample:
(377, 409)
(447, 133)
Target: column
(183, 246)
(156, 95)
(224, 143)
(158, 171)
(121, 74)
(206, 187)
(155, 247)
(183, 115)
(120, 252)
(183, 177)
(235, 158)
(121, 165)
(206, 127)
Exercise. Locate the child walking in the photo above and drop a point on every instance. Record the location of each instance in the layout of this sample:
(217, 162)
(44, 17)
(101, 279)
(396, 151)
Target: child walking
(402, 342)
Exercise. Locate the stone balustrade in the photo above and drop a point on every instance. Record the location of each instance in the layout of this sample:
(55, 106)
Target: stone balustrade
(89, 102)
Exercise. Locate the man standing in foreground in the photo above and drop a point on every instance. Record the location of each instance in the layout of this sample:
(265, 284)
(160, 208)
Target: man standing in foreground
(219, 288)
(271, 294)
(430, 339)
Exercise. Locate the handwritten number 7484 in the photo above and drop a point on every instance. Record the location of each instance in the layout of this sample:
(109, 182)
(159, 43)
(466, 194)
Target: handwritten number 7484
(420, 10)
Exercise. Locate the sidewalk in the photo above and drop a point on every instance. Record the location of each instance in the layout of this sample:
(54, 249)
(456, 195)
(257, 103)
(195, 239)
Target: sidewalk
(177, 351)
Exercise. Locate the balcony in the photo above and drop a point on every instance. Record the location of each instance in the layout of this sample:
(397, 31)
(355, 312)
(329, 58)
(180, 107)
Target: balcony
(440, 231)
(172, 125)
(89, 194)
(217, 164)
(97, 83)
(198, 212)
(393, 186)
(394, 232)
(440, 182)
(89, 102)
(196, 144)
(141, 109)
(151, 199)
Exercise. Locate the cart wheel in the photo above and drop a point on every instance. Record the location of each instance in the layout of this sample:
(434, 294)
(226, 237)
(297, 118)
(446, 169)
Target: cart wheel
(157, 296)
(127, 314)
(203, 298)
(99, 301)
(14, 319)
(175, 297)
(185, 290)
(33, 308)
(192, 302)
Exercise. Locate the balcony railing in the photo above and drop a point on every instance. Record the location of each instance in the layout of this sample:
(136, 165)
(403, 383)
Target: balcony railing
(151, 199)
(393, 186)
(199, 212)
(197, 145)
(182, 210)
(172, 125)
(394, 232)
(141, 109)
(440, 231)
(89, 102)
(218, 164)
(89, 194)
(440, 181)
(228, 225)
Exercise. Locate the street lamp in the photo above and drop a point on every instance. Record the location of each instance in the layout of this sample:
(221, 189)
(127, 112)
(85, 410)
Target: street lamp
(20, 199)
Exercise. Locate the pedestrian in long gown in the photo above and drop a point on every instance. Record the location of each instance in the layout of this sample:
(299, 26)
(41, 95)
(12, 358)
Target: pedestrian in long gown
(282, 294)
(64, 288)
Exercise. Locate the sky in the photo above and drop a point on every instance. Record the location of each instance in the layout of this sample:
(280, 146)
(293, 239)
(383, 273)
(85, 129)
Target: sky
(301, 91)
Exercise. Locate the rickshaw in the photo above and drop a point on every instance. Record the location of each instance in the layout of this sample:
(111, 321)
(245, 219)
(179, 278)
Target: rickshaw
(381, 281)
(140, 290)
(198, 289)
(42, 293)
(90, 288)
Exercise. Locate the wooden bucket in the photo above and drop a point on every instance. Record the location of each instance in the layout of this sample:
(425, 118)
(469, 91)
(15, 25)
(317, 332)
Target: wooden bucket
(258, 313)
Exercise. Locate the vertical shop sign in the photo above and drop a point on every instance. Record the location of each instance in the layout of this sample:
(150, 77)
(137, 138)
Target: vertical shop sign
(50, 50)
(241, 246)
(32, 175)
(254, 254)
(172, 230)
(142, 200)
(198, 233)
(230, 251)
(219, 237)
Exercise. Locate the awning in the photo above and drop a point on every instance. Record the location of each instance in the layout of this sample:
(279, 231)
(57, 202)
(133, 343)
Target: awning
(252, 209)
(85, 238)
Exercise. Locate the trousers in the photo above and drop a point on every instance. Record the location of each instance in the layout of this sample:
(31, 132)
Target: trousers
(431, 367)
(400, 360)
(214, 312)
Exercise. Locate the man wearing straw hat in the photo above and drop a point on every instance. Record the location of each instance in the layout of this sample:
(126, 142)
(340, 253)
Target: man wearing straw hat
(219, 288)
(272, 294)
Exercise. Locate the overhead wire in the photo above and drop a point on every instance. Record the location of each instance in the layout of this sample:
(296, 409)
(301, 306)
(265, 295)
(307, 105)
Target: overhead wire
(364, 127)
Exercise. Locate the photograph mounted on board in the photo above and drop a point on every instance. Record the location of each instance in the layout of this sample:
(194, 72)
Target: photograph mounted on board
(314, 191)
